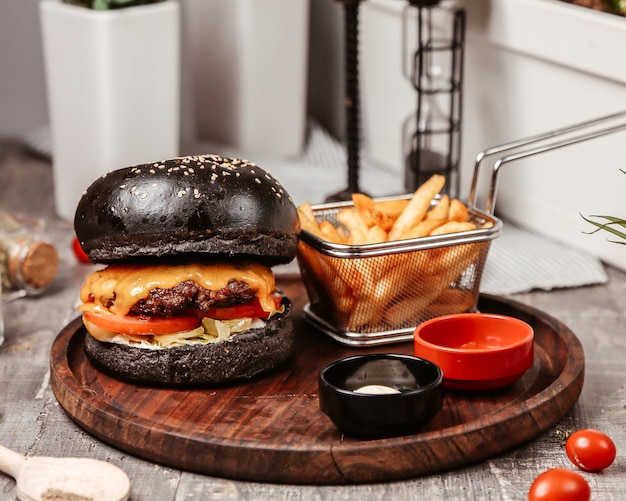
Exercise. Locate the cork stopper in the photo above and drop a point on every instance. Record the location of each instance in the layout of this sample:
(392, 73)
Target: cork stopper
(36, 267)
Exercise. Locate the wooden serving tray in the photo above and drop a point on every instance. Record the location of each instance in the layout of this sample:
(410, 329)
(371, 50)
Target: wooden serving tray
(272, 430)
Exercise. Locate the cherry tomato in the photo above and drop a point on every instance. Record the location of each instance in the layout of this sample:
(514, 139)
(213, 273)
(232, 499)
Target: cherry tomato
(590, 450)
(140, 325)
(79, 252)
(559, 484)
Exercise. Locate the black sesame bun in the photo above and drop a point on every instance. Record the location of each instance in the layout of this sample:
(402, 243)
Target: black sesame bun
(204, 204)
(187, 296)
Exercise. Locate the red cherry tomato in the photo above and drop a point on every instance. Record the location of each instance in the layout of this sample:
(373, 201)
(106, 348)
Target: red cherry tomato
(590, 450)
(79, 252)
(559, 484)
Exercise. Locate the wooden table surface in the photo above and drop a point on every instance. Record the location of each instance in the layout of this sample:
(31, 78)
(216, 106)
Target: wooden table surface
(33, 423)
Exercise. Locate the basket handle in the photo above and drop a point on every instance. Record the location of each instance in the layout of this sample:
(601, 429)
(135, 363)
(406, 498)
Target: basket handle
(537, 144)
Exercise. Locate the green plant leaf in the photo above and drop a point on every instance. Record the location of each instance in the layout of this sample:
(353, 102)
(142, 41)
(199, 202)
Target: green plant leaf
(608, 226)
(617, 5)
(610, 221)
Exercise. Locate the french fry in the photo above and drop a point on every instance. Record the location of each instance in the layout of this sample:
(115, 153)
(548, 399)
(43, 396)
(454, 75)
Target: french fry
(359, 273)
(365, 312)
(452, 300)
(392, 208)
(365, 207)
(418, 206)
(423, 228)
(453, 227)
(385, 289)
(458, 211)
(308, 220)
(435, 284)
(332, 233)
(370, 270)
(397, 283)
(357, 229)
(441, 210)
(410, 306)
(371, 215)
(305, 211)
(448, 263)
(372, 279)
(342, 297)
(375, 235)
(350, 277)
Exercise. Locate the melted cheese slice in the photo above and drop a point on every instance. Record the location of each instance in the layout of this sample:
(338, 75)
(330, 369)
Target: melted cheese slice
(121, 286)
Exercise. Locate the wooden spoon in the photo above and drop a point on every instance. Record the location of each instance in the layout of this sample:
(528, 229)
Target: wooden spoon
(64, 479)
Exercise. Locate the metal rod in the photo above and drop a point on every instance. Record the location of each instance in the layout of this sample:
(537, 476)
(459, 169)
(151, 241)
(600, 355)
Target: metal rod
(546, 141)
(352, 103)
(351, 99)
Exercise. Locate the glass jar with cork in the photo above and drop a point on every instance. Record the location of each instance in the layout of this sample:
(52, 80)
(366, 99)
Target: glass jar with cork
(28, 261)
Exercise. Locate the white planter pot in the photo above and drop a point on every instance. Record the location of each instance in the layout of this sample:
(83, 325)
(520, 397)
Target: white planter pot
(113, 84)
(249, 73)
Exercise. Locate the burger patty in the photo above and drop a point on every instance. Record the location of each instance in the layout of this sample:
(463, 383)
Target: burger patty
(190, 296)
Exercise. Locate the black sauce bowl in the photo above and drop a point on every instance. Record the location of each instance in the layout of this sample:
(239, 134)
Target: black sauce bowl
(368, 415)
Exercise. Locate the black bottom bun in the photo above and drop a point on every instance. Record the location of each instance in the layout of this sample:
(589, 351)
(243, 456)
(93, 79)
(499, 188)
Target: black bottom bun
(241, 357)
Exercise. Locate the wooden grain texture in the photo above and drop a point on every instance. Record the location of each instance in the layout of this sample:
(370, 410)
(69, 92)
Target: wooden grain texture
(271, 428)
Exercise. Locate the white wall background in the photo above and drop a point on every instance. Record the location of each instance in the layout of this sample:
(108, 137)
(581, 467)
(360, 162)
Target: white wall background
(22, 85)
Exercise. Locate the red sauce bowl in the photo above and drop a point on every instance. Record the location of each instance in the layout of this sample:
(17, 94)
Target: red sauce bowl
(476, 351)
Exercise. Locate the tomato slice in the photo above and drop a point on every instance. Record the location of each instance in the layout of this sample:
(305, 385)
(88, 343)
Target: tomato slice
(248, 310)
(141, 325)
(170, 325)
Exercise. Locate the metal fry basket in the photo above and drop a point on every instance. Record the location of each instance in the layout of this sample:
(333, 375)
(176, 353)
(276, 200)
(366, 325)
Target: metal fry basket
(377, 293)
(362, 295)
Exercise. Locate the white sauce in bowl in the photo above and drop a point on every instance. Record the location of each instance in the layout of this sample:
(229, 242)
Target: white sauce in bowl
(376, 389)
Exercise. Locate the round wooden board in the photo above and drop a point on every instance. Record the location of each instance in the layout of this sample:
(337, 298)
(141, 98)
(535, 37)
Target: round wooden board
(271, 429)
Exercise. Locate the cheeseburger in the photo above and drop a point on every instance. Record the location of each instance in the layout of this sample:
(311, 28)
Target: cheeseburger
(186, 296)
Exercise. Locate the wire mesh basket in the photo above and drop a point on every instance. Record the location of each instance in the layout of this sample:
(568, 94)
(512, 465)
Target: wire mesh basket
(377, 293)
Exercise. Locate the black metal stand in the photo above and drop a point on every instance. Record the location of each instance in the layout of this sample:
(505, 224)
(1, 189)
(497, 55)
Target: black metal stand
(423, 160)
(352, 99)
